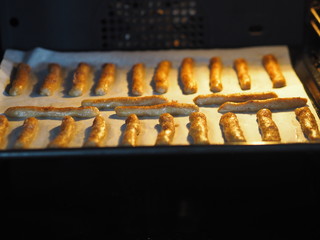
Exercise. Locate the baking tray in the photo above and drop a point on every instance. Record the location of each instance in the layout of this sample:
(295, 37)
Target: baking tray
(38, 59)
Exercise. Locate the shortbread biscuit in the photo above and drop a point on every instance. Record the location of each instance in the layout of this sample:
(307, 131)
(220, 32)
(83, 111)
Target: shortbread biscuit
(268, 129)
(174, 108)
(21, 80)
(165, 136)
(198, 128)
(131, 131)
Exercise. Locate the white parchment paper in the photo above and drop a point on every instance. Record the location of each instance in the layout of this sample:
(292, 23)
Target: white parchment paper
(39, 58)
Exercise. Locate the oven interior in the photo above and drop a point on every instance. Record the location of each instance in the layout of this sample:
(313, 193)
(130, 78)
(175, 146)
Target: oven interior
(229, 191)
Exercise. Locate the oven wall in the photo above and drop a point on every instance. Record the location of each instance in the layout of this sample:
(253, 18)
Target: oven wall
(156, 24)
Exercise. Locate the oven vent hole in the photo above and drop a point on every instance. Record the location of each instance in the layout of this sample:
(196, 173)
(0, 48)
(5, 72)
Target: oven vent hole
(14, 22)
(256, 30)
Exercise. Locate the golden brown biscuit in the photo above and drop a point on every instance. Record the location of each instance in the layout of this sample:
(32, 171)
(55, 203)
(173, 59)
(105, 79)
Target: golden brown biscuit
(110, 103)
(106, 79)
(267, 126)
(4, 124)
(80, 80)
(132, 131)
(187, 76)
(54, 112)
(21, 80)
(166, 134)
(198, 128)
(241, 67)
(97, 133)
(52, 80)
(232, 131)
(29, 130)
(65, 135)
(219, 98)
(215, 74)
(272, 67)
(161, 76)
(174, 108)
(256, 105)
(138, 77)
(308, 123)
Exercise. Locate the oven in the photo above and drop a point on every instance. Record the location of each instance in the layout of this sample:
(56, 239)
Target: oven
(254, 189)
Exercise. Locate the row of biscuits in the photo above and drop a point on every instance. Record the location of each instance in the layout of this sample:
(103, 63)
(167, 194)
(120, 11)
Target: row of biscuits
(152, 106)
(53, 79)
(156, 105)
(198, 129)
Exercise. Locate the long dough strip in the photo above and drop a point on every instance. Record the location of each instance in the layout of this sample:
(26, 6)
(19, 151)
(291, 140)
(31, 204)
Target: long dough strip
(80, 80)
(106, 79)
(272, 67)
(52, 80)
(231, 129)
(256, 105)
(267, 126)
(308, 123)
(65, 135)
(187, 76)
(161, 76)
(241, 67)
(131, 131)
(29, 130)
(215, 74)
(198, 128)
(4, 124)
(54, 112)
(173, 108)
(110, 103)
(219, 98)
(21, 79)
(138, 75)
(165, 136)
(97, 133)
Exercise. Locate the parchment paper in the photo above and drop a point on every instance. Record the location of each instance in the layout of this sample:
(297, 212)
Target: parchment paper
(39, 58)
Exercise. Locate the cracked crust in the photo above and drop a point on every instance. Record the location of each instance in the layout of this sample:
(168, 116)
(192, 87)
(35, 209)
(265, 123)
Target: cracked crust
(256, 105)
(54, 112)
(174, 108)
(110, 103)
(220, 98)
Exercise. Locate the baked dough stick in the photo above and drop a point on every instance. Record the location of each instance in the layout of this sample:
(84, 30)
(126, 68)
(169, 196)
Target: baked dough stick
(215, 74)
(97, 133)
(80, 80)
(272, 67)
(52, 80)
(267, 126)
(198, 128)
(29, 130)
(241, 67)
(131, 131)
(231, 129)
(256, 105)
(219, 98)
(106, 79)
(4, 124)
(166, 134)
(174, 108)
(21, 79)
(188, 81)
(138, 75)
(65, 135)
(51, 112)
(110, 103)
(161, 76)
(308, 123)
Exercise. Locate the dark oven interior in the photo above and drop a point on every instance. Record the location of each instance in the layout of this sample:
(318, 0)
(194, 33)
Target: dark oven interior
(259, 192)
